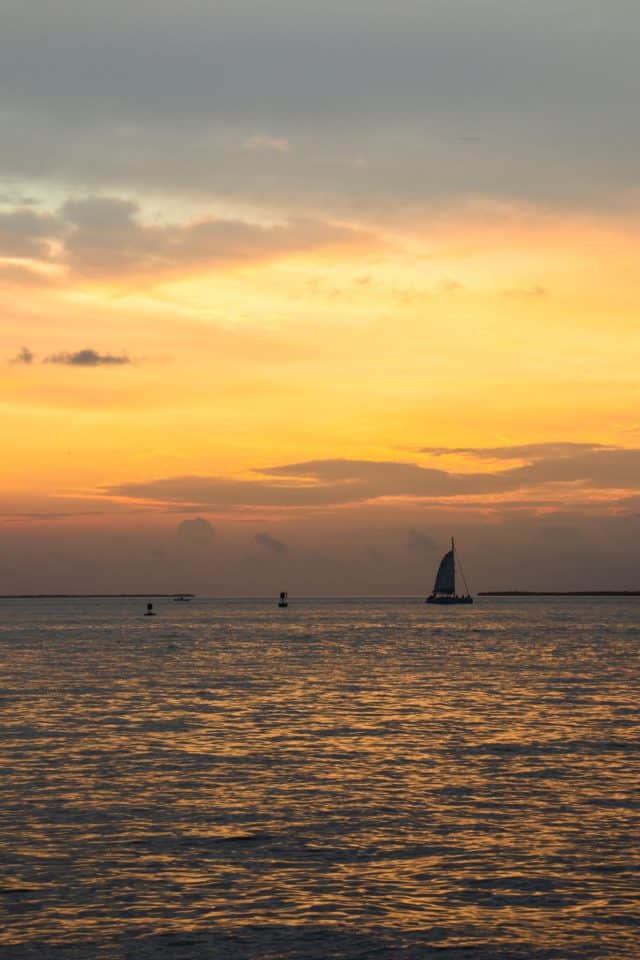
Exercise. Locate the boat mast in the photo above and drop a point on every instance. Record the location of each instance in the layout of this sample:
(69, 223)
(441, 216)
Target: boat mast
(464, 580)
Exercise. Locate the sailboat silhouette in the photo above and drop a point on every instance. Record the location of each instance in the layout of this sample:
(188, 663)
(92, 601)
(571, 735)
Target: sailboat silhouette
(444, 588)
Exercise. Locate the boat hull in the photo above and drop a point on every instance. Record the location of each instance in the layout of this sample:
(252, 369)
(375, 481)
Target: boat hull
(448, 601)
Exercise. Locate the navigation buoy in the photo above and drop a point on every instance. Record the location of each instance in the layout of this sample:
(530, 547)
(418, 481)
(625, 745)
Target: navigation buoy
(150, 611)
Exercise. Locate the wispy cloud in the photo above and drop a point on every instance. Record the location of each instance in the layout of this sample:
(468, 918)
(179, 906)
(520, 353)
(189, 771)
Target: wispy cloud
(22, 275)
(421, 542)
(523, 451)
(270, 543)
(270, 144)
(24, 356)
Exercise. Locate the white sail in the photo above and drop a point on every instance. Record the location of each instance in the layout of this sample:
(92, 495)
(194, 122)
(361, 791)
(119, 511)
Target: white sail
(446, 576)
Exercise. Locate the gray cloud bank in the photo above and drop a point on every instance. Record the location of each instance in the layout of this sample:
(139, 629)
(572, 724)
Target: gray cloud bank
(27, 234)
(412, 99)
(323, 483)
(104, 236)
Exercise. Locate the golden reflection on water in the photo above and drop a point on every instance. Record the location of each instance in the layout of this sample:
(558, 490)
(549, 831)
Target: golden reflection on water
(352, 779)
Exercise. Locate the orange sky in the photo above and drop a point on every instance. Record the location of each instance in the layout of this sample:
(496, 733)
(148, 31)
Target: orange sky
(460, 335)
(336, 291)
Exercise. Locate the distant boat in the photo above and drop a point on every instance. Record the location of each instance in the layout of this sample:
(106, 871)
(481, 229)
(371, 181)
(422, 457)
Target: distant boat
(150, 611)
(444, 589)
(284, 599)
(181, 599)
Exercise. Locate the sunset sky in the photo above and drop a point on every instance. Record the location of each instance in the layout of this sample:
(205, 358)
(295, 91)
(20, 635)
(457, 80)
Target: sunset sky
(293, 291)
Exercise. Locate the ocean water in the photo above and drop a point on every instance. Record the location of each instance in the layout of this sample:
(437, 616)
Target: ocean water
(342, 779)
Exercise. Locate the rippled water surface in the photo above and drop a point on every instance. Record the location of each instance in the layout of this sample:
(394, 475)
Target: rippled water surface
(355, 779)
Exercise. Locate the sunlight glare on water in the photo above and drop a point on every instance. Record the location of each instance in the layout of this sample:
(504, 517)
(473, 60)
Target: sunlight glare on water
(340, 779)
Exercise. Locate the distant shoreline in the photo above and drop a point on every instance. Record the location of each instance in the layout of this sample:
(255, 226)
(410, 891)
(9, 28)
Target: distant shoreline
(559, 593)
(92, 596)
(192, 596)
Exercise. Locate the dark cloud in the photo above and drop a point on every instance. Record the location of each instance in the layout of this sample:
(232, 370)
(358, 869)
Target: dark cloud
(88, 358)
(24, 355)
(421, 542)
(106, 236)
(221, 492)
(589, 464)
(270, 543)
(196, 531)
(356, 480)
(27, 234)
(332, 482)
(607, 467)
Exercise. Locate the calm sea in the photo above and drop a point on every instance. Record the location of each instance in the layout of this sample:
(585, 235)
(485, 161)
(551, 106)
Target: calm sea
(342, 779)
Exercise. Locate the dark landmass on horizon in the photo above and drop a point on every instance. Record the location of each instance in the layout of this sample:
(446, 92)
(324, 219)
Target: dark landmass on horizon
(91, 596)
(559, 593)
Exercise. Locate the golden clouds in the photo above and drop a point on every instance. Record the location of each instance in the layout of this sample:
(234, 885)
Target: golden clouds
(257, 344)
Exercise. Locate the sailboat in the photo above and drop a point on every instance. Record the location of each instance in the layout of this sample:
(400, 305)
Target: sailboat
(284, 600)
(444, 589)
